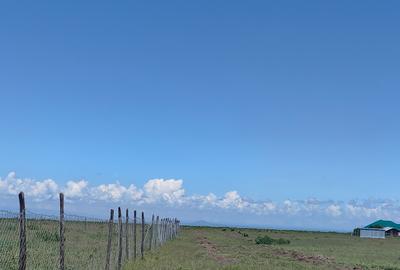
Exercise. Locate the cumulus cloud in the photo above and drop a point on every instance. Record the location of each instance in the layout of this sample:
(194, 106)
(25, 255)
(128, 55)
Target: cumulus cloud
(116, 192)
(39, 190)
(170, 192)
(76, 189)
(334, 210)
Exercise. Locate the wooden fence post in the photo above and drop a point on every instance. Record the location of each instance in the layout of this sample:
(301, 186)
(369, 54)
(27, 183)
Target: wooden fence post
(110, 232)
(162, 230)
(119, 266)
(175, 227)
(142, 243)
(127, 235)
(157, 232)
(134, 234)
(172, 228)
(168, 229)
(152, 232)
(165, 230)
(62, 239)
(22, 233)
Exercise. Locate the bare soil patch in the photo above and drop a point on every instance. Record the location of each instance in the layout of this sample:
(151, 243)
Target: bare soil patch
(313, 259)
(212, 250)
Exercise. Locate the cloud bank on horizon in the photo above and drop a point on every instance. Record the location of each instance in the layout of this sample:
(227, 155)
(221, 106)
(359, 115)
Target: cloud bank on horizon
(171, 194)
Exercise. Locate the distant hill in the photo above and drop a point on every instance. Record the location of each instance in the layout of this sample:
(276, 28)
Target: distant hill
(202, 223)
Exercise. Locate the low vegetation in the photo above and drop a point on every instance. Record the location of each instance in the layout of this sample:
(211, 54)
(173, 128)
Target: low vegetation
(85, 244)
(266, 240)
(201, 248)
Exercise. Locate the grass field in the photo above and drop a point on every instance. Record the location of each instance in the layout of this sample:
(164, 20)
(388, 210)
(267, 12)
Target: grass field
(200, 248)
(85, 244)
(85, 247)
(217, 248)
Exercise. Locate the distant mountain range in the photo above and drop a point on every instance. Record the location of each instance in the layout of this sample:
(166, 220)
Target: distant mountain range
(203, 223)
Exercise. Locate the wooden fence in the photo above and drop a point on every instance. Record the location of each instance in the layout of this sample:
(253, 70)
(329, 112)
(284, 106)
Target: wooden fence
(111, 243)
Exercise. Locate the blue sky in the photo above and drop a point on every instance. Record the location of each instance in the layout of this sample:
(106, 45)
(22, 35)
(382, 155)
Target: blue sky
(275, 100)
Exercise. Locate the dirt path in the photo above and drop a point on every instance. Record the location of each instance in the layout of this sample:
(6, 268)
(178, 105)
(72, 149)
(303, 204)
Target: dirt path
(313, 259)
(212, 250)
(317, 260)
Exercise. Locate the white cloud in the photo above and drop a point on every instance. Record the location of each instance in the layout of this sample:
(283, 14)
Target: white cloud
(334, 210)
(268, 207)
(290, 207)
(169, 190)
(116, 192)
(232, 199)
(211, 198)
(39, 190)
(76, 189)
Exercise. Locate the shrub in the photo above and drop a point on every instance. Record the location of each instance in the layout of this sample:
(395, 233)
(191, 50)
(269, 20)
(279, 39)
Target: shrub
(282, 241)
(266, 240)
(245, 235)
(232, 229)
(224, 229)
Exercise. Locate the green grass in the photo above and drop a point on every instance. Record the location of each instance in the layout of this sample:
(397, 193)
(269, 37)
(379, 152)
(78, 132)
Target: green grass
(85, 245)
(216, 248)
(199, 248)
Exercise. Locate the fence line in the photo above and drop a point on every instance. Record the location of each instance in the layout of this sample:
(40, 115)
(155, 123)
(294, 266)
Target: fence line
(35, 241)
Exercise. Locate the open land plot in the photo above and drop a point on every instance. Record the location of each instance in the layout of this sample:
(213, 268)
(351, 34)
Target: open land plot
(85, 244)
(219, 248)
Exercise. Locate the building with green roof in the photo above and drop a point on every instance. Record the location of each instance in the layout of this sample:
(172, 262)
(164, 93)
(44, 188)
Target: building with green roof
(383, 224)
(379, 229)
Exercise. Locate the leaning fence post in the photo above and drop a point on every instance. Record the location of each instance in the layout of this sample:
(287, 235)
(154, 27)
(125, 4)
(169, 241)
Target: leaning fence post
(152, 231)
(134, 234)
(142, 243)
(110, 227)
(22, 233)
(120, 239)
(127, 235)
(62, 239)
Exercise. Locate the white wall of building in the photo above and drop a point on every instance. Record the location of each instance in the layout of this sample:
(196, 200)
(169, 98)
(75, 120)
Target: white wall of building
(372, 233)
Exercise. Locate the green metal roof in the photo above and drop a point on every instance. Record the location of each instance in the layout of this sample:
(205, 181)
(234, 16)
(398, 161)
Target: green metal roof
(383, 223)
